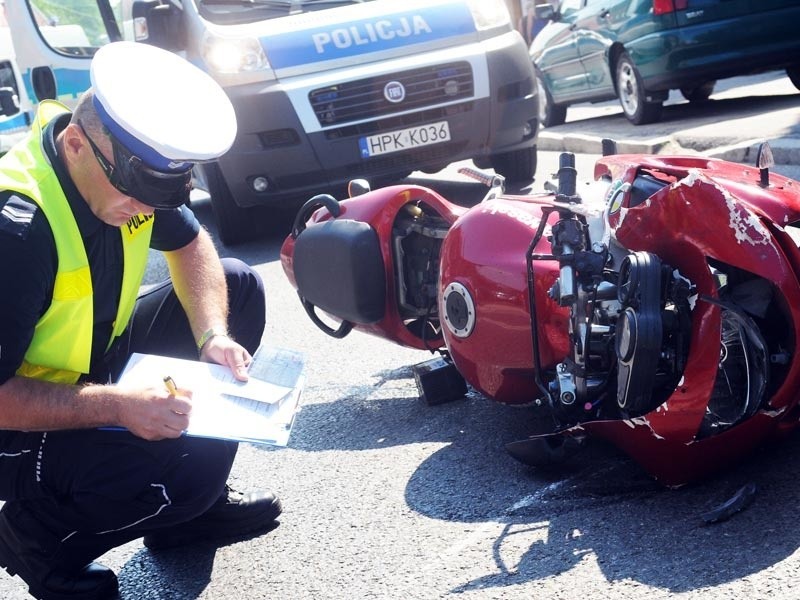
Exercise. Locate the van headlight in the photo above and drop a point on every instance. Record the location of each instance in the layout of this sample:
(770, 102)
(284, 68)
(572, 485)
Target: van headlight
(233, 55)
(488, 14)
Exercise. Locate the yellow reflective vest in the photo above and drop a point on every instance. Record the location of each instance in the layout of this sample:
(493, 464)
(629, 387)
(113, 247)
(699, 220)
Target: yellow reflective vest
(62, 341)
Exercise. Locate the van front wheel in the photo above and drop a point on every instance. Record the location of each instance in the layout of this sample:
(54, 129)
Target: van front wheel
(234, 223)
(517, 166)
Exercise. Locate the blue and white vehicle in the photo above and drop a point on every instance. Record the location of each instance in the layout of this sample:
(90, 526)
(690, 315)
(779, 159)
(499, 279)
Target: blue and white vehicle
(13, 120)
(25, 32)
(326, 91)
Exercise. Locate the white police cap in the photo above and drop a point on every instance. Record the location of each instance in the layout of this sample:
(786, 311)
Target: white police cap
(161, 107)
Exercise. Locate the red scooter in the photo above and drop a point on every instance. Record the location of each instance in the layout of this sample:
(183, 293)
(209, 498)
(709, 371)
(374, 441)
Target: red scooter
(659, 309)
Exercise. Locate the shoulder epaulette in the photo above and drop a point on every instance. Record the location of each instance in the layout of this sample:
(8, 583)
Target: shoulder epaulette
(16, 214)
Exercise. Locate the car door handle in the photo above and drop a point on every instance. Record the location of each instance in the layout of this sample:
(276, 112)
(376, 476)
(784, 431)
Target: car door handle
(604, 13)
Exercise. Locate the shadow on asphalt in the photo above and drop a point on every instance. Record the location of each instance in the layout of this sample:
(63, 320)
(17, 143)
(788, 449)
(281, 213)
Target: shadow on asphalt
(640, 532)
(188, 571)
(600, 503)
(187, 568)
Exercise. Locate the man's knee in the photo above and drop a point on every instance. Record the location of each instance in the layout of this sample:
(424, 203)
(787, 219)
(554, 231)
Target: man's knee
(130, 483)
(198, 478)
(247, 303)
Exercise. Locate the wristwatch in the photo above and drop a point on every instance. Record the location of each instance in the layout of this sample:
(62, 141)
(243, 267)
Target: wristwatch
(209, 333)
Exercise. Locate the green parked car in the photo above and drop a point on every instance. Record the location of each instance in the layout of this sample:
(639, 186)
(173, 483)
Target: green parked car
(638, 50)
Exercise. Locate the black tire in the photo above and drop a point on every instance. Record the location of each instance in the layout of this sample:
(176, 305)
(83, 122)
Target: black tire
(234, 223)
(794, 75)
(701, 93)
(550, 114)
(632, 95)
(517, 166)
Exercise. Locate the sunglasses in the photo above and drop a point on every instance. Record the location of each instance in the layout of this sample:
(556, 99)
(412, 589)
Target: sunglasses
(108, 168)
(133, 178)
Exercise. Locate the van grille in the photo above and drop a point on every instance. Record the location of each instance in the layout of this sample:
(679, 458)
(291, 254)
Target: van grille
(364, 99)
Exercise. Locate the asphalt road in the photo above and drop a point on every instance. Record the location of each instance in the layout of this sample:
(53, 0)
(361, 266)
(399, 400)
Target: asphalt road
(388, 498)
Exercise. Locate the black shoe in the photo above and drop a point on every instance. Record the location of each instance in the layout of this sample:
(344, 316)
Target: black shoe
(48, 575)
(234, 515)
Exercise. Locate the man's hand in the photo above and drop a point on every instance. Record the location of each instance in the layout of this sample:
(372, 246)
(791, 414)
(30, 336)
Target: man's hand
(154, 414)
(223, 350)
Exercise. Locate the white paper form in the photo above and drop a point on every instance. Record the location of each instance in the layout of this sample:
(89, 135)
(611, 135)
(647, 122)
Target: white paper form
(260, 410)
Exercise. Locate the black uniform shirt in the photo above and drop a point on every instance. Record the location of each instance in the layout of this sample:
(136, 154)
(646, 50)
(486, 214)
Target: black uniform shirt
(29, 261)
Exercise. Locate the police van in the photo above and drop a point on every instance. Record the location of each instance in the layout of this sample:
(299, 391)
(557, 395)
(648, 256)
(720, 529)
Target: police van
(330, 90)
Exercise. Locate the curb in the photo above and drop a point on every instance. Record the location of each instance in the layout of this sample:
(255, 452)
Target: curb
(592, 144)
(785, 150)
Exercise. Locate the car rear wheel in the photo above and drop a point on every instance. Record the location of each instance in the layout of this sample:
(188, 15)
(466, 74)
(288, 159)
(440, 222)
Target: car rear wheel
(701, 93)
(794, 75)
(234, 223)
(632, 96)
(550, 114)
(517, 166)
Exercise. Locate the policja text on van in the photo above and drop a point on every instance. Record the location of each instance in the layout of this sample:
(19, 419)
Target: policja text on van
(368, 33)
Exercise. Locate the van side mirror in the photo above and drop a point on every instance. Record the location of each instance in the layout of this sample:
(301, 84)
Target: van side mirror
(158, 24)
(44, 83)
(9, 102)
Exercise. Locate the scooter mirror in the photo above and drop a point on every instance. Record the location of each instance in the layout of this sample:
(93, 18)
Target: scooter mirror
(357, 187)
(764, 158)
(764, 161)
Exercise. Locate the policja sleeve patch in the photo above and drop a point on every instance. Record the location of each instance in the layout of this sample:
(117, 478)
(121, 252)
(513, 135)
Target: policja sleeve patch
(17, 215)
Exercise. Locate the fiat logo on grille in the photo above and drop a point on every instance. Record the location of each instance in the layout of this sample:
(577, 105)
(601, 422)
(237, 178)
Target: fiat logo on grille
(394, 92)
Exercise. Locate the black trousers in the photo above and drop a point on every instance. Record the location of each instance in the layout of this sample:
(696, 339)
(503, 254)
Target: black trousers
(110, 487)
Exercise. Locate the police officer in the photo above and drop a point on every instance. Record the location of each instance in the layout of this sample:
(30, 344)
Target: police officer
(82, 199)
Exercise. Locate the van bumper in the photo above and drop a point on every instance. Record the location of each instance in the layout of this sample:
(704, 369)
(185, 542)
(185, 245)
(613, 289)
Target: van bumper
(272, 142)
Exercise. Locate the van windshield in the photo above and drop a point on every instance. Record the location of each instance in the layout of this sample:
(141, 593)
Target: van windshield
(76, 28)
(233, 12)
